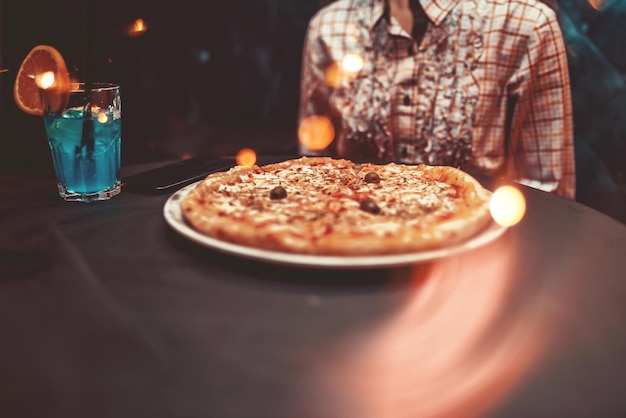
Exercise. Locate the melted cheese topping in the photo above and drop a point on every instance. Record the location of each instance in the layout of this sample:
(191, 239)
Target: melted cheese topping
(324, 197)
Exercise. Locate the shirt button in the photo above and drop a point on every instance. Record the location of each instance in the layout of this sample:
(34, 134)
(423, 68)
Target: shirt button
(406, 100)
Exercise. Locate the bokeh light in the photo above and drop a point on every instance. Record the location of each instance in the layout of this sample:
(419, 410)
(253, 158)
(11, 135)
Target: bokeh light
(138, 27)
(334, 75)
(352, 63)
(246, 157)
(45, 80)
(102, 117)
(316, 132)
(507, 206)
(339, 72)
(598, 4)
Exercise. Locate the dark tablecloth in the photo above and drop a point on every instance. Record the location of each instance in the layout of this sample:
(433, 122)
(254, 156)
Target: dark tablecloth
(107, 312)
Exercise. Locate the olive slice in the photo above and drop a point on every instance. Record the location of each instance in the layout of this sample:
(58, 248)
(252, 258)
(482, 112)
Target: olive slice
(372, 177)
(368, 205)
(278, 192)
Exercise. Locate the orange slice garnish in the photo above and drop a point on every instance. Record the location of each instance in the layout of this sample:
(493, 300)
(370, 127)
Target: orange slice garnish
(43, 70)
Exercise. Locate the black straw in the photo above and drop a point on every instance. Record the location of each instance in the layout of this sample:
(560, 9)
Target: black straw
(87, 139)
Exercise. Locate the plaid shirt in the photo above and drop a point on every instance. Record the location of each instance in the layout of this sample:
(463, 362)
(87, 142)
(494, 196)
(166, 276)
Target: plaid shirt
(487, 88)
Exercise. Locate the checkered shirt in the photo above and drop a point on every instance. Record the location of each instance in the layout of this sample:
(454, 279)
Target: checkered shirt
(487, 89)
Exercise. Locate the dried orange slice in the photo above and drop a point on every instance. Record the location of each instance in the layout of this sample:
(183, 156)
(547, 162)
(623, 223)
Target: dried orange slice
(42, 60)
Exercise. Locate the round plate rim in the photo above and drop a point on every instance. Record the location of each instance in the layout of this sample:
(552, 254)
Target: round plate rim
(173, 216)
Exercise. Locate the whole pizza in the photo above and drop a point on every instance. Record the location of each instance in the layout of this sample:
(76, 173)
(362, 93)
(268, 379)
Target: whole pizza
(326, 206)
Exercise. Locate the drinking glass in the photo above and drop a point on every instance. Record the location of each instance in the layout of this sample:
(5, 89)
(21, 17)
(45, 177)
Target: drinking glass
(85, 140)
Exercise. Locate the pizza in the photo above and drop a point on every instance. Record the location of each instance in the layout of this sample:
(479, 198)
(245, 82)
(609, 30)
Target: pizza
(327, 206)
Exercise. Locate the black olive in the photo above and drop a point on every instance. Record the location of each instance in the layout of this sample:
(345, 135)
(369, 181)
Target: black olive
(372, 177)
(370, 206)
(278, 192)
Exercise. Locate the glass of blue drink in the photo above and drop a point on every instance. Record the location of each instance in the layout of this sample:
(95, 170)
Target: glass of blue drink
(85, 140)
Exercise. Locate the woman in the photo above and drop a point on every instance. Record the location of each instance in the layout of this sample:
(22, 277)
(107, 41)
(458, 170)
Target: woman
(478, 84)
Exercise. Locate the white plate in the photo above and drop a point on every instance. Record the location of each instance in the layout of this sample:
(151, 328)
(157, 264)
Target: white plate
(173, 215)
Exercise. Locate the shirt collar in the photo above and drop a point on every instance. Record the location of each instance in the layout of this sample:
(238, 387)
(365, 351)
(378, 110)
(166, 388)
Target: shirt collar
(436, 10)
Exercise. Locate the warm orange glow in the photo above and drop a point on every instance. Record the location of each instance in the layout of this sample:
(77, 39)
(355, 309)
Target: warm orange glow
(444, 352)
(246, 157)
(102, 117)
(507, 206)
(316, 132)
(138, 27)
(598, 4)
(45, 80)
(352, 63)
(334, 75)
(338, 73)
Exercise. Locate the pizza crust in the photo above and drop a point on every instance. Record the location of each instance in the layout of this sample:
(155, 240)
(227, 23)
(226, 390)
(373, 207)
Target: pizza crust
(415, 208)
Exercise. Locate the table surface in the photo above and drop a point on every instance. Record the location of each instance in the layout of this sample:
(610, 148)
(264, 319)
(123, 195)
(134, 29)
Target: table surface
(105, 311)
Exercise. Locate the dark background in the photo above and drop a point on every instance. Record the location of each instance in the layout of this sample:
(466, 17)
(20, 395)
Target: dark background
(213, 76)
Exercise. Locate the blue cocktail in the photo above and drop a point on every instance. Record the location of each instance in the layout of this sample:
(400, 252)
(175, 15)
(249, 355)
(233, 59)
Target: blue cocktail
(85, 139)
